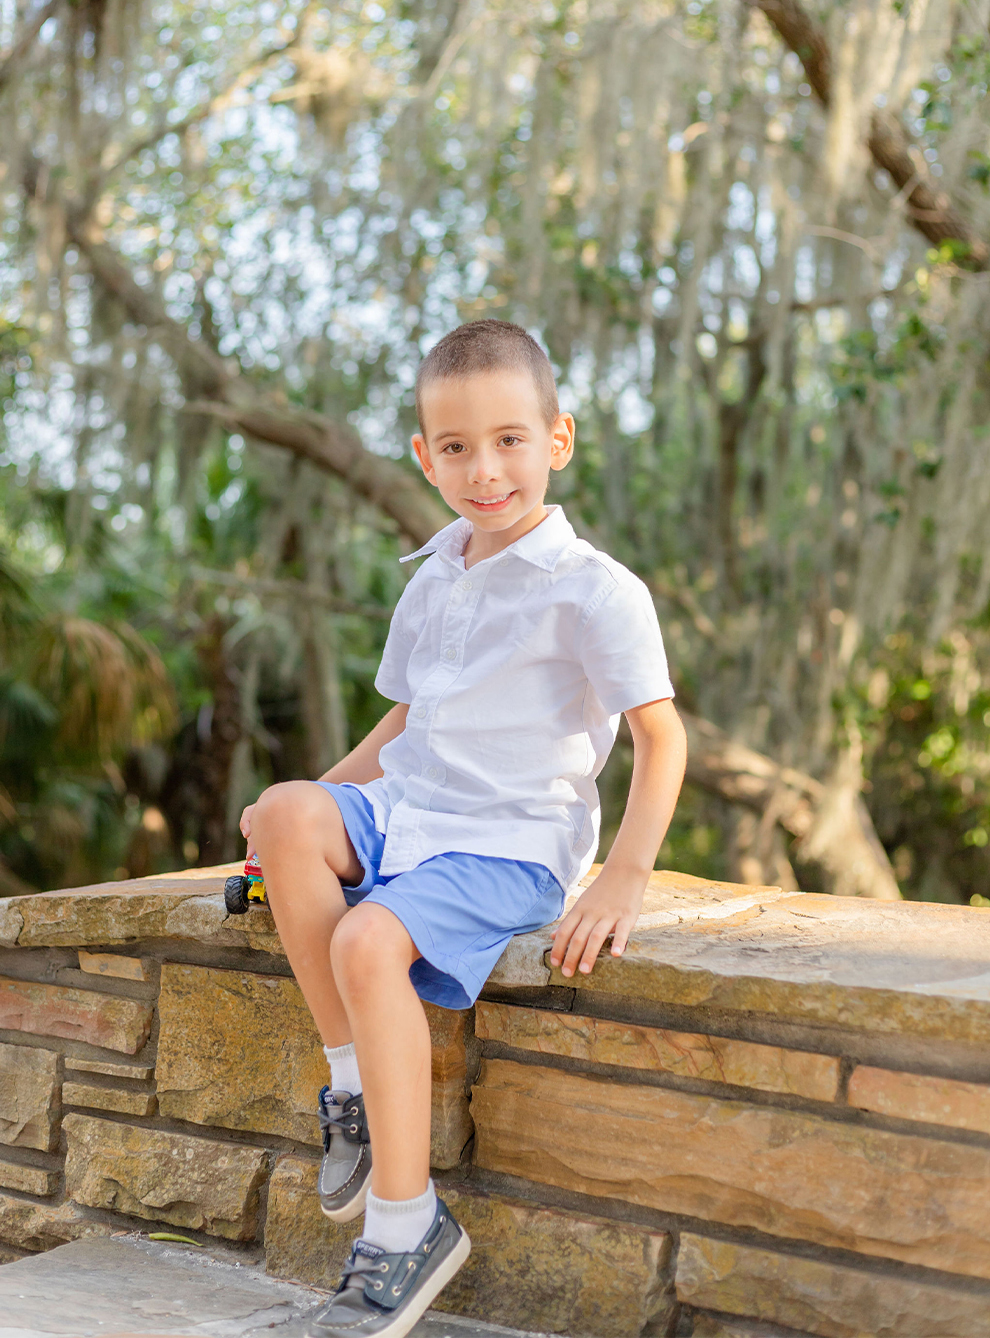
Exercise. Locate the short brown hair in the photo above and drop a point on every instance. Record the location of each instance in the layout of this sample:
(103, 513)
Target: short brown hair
(488, 346)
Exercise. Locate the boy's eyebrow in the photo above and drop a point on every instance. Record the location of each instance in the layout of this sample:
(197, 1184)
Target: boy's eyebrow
(505, 427)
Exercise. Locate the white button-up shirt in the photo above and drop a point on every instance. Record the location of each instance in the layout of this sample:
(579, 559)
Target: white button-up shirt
(515, 673)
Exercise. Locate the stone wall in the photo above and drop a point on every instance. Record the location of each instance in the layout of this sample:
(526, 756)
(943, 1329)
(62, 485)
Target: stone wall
(771, 1117)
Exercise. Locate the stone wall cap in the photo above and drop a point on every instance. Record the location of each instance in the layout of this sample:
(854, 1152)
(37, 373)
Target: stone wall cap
(919, 968)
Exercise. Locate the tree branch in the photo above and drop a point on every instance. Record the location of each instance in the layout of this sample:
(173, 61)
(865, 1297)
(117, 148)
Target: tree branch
(835, 831)
(209, 107)
(892, 149)
(26, 40)
(327, 445)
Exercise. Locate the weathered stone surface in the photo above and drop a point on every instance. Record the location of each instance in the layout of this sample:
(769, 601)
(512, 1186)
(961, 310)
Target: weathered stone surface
(130, 1287)
(112, 964)
(714, 1058)
(916, 968)
(911, 1096)
(123, 1099)
(28, 1179)
(300, 1242)
(40, 1226)
(78, 1015)
(783, 1172)
(546, 1269)
(184, 905)
(824, 1299)
(530, 1267)
(11, 921)
(716, 1326)
(239, 1050)
(670, 897)
(142, 1072)
(28, 1096)
(190, 1182)
(450, 1116)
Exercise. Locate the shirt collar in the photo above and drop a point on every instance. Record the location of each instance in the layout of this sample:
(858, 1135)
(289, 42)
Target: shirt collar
(542, 546)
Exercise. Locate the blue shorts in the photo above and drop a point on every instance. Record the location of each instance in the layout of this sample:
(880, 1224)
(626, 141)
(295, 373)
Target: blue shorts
(460, 910)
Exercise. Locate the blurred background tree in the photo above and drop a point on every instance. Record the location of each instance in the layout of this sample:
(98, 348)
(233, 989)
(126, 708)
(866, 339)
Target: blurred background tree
(754, 240)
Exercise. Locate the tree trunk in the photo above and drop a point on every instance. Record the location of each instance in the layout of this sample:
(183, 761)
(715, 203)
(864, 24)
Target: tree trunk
(836, 837)
(217, 748)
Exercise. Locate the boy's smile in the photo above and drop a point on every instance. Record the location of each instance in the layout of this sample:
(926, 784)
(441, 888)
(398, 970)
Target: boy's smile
(489, 450)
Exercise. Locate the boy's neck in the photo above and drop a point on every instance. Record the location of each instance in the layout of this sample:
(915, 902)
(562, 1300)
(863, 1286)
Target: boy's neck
(484, 544)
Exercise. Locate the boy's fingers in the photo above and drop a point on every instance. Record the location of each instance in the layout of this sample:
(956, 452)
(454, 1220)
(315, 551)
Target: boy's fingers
(576, 947)
(621, 937)
(561, 937)
(593, 947)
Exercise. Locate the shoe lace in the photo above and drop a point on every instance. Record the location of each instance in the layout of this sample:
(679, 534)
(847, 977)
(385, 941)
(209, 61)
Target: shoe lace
(331, 1118)
(356, 1270)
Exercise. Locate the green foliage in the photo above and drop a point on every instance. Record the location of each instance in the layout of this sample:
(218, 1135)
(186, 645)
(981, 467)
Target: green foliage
(926, 714)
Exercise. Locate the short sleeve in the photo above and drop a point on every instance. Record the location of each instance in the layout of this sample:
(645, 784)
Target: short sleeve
(621, 649)
(392, 679)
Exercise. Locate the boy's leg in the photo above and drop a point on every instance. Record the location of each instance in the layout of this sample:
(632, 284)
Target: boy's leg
(410, 1247)
(306, 854)
(371, 955)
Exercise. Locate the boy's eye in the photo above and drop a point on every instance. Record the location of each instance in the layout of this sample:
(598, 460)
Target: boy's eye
(509, 441)
(454, 447)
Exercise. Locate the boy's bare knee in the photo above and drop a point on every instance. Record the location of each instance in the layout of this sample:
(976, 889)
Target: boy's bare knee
(286, 809)
(368, 941)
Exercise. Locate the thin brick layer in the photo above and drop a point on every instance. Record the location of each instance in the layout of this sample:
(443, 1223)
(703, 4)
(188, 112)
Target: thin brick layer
(913, 1096)
(768, 1068)
(76, 1015)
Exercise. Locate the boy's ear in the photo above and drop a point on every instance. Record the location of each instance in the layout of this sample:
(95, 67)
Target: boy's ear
(562, 441)
(423, 456)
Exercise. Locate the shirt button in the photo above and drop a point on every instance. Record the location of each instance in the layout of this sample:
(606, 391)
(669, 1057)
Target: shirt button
(432, 773)
(467, 585)
(503, 562)
(450, 653)
(421, 711)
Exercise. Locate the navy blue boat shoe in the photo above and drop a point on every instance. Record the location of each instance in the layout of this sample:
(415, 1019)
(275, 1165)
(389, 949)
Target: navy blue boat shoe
(383, 1295)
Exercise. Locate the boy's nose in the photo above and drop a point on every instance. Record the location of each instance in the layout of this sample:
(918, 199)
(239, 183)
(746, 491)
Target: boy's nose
(485, 467)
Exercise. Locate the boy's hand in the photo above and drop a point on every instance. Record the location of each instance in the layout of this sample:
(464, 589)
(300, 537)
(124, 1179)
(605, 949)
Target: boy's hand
(245, 826)
(609, 906)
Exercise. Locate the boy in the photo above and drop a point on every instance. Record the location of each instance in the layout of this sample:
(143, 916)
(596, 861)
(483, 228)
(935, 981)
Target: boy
(470, 809)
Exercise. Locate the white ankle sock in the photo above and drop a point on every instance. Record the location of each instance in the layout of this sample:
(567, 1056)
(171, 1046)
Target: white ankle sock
(398, 1225)
(344, 1076)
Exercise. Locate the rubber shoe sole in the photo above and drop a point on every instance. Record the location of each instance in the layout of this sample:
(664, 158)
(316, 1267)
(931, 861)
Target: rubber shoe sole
(349, 1211)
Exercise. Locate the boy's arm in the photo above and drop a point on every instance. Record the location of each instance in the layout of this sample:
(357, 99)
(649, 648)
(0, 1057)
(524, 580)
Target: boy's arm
(612, 902)
(361, 763)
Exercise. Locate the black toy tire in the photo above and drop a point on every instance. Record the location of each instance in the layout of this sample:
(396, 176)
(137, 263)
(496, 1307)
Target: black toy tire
(235, 894)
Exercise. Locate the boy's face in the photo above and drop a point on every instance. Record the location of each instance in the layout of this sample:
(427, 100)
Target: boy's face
(488, 449)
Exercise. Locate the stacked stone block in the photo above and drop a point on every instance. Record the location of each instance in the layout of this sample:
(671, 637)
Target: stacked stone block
(770, 1118)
